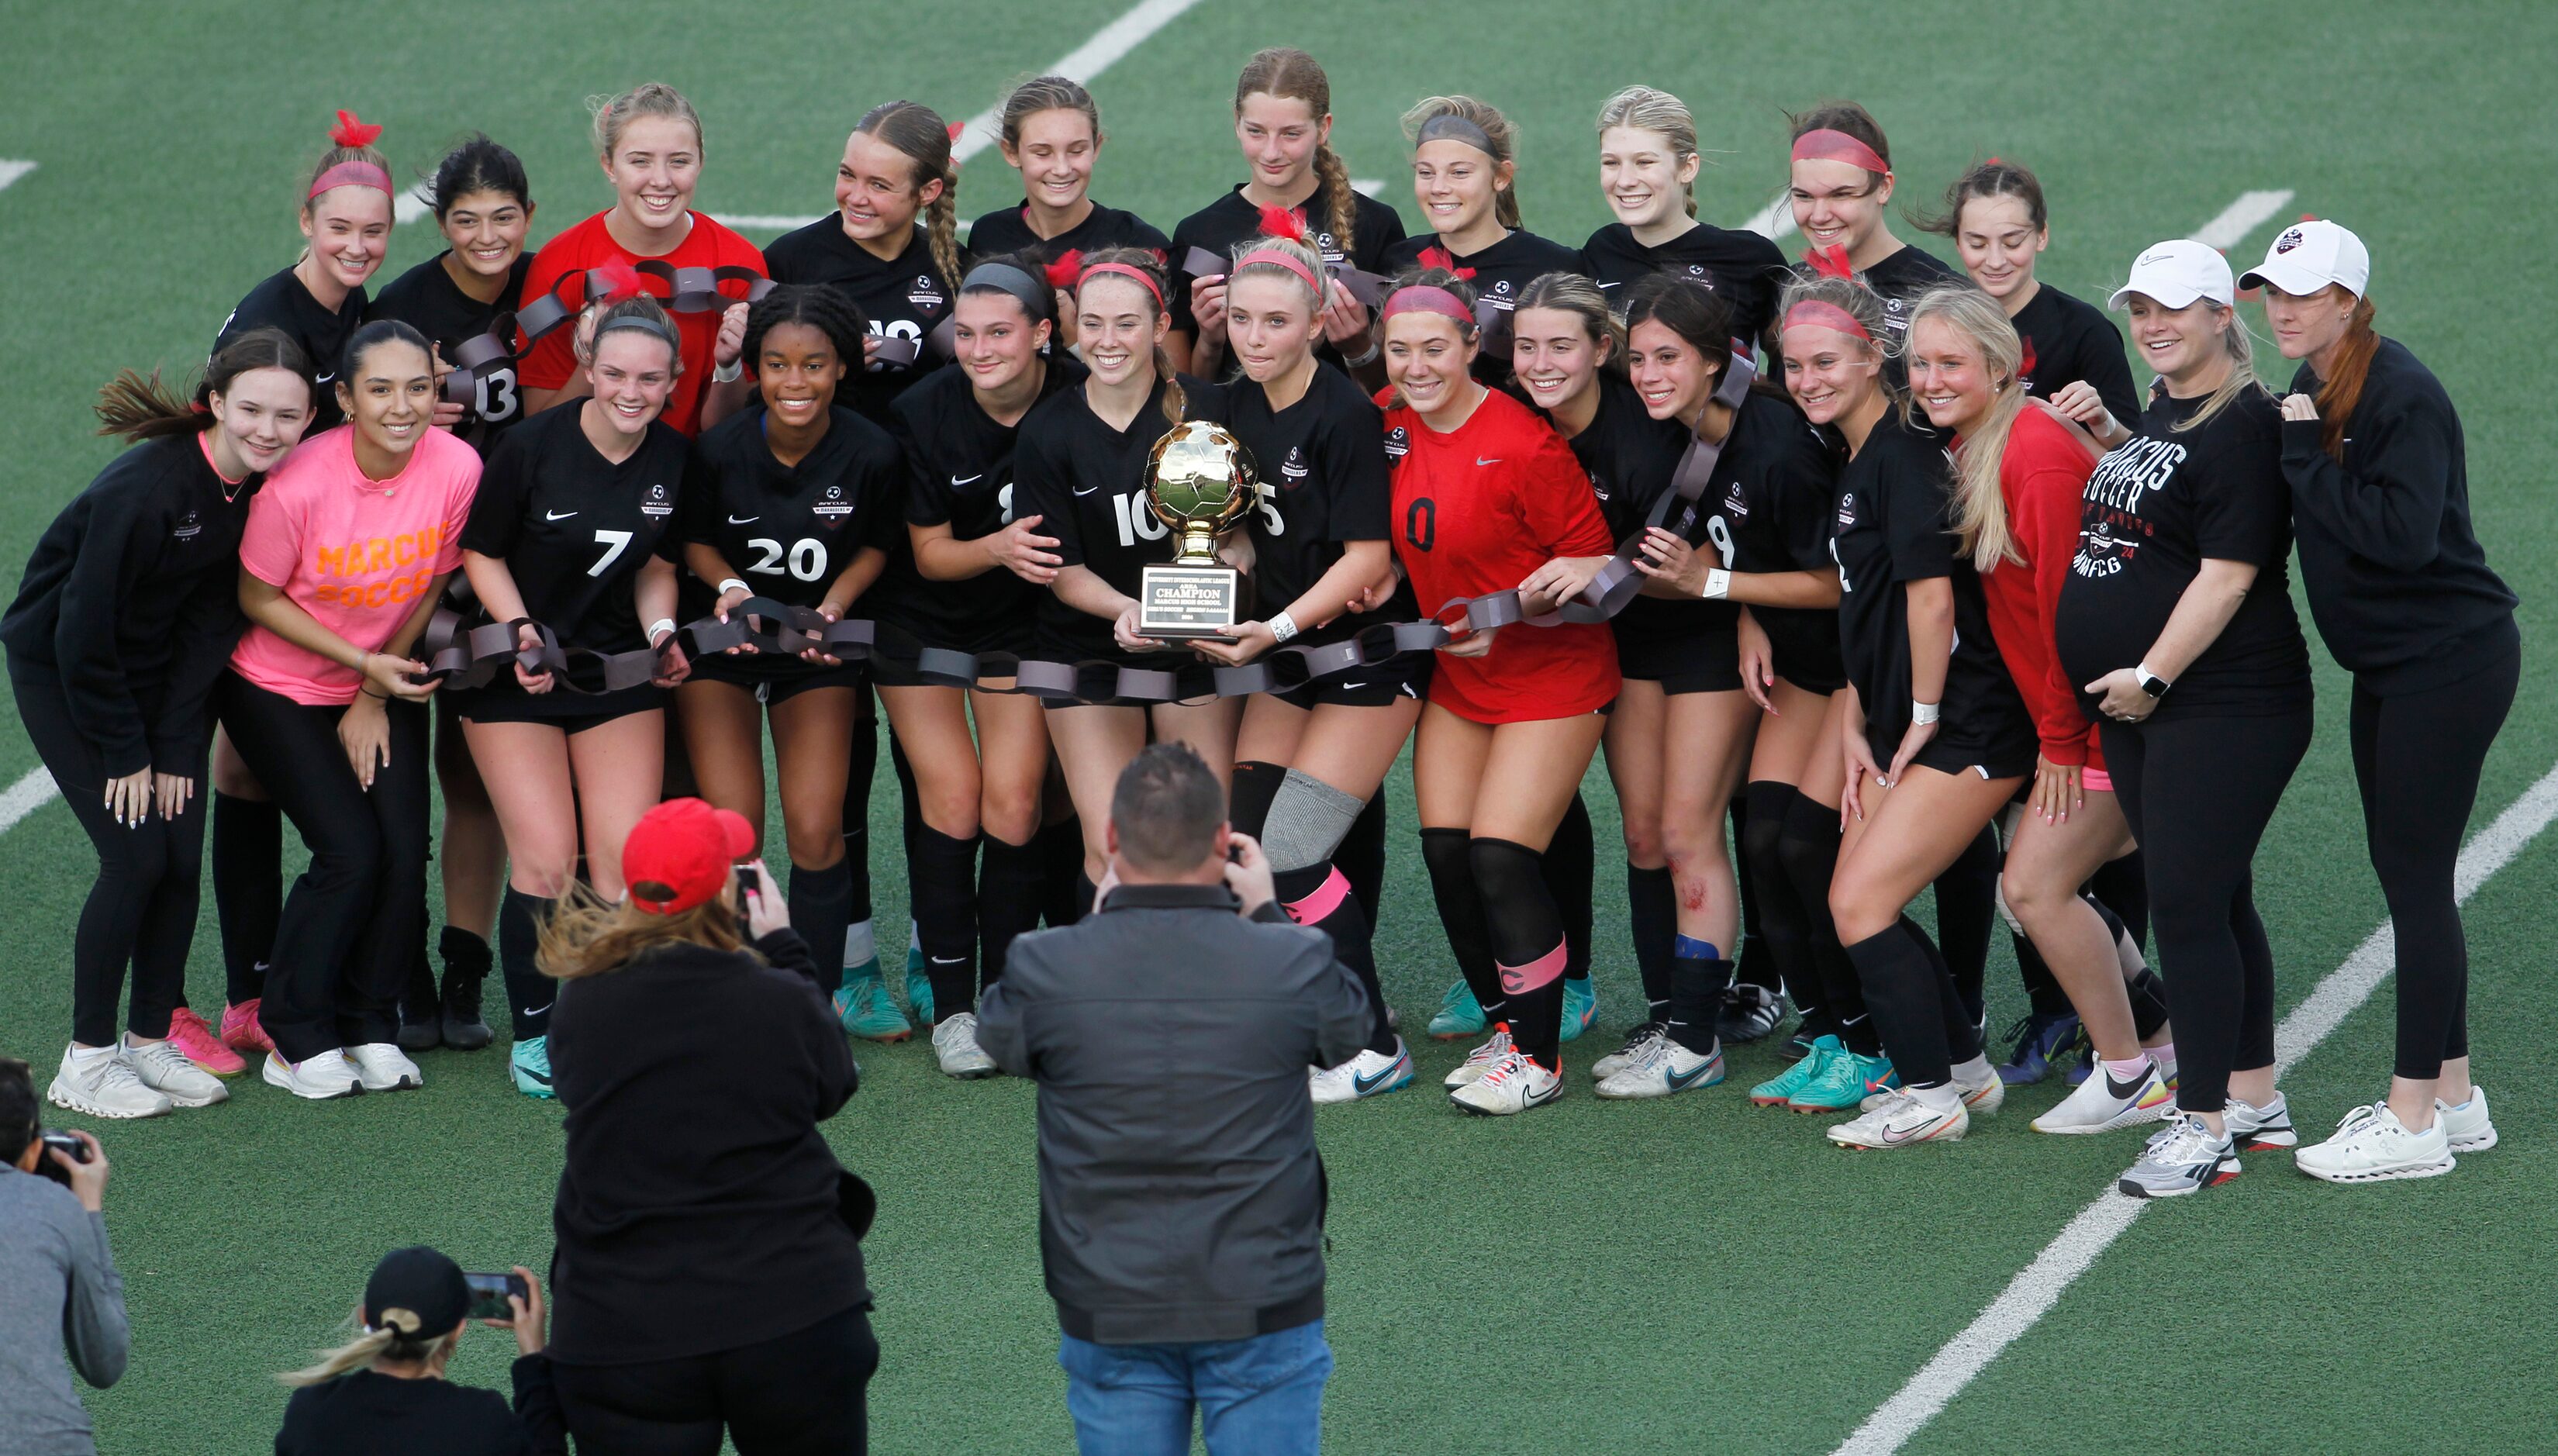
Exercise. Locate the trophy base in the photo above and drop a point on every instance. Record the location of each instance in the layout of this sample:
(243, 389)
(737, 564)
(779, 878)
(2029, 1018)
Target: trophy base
(1174, 603)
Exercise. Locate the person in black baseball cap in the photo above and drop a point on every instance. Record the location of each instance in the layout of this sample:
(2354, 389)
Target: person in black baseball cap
(384, 1390)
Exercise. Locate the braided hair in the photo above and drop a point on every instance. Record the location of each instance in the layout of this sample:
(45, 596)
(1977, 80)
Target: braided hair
(919, 132)
(1293, 75)
(1143, 259)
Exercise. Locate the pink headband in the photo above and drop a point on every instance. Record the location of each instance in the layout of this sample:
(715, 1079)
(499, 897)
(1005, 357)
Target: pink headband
(352, 174)
(1125, 271)
(1822, 144)
(1813, 313)
(1278, 259)
(1423, 298)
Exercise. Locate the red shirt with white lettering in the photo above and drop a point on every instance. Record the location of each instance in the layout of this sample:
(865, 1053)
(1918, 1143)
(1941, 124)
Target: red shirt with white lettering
(552, 362)
(1477, 509)
(2043, 479)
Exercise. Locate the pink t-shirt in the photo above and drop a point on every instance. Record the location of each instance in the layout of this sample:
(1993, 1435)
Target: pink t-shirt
(354, 554)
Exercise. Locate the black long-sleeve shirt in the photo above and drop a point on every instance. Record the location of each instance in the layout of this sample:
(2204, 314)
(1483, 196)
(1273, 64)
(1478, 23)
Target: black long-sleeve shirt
(386, 1415)
(2397, 582)
(131, 602)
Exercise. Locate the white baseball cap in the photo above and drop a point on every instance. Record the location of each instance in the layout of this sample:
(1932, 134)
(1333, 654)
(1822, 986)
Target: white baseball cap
(2311, 256)
(2177, 273)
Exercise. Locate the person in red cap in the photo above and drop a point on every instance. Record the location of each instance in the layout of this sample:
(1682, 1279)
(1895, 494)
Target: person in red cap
(708, 1273)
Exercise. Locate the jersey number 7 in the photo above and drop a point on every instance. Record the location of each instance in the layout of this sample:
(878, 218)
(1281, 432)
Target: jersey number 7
(613, 542)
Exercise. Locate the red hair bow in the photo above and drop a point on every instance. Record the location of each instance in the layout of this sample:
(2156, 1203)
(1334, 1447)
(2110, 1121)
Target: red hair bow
(1285, 223)
(1065, 269)
(620, 280)
(955, 128)
(1435, 256)
(350, 132)
(1830, 261)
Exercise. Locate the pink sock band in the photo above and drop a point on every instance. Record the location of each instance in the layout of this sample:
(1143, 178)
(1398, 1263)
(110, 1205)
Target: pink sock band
(1318, 906)
(1518, 980)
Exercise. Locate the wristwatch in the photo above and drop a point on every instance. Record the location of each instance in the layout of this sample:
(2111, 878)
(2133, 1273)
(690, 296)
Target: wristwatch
(2152, 684)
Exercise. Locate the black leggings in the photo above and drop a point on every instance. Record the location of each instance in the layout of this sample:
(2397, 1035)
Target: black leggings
(804, 1394)
(2198, 793)
(141, 911)
(352, 923)
(2416, 758)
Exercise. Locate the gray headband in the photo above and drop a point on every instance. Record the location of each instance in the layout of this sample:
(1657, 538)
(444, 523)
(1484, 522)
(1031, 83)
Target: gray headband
(1036, 300)
(1448, 127)
(651, 327)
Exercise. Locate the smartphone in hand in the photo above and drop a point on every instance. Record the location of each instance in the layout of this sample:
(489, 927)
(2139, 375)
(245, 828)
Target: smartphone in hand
(489, 1295)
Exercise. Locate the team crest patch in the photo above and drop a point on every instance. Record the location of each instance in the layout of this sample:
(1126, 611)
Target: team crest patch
(658, 503)
(1847, 510)
(926, 294)
(1733, 505)
(189, 527)
(2290, 239)
(1598, 487)
(1293, 468)
(1398, 443)
(833, 504)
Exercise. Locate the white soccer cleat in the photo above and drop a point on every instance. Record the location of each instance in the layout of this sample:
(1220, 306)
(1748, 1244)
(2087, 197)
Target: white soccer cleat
(102, 1084)
(1370, 1073)
(1637, 1045)
(1903, 1121)
(1667, 1069)
(384, 1067)
(1514, 1084)
(955, 1043)
(167, 1070)
(1483, 1058)
(317, 1078)
(2370, 1145)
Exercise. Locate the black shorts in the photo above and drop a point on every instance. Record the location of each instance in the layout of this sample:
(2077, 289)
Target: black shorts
(569, 712)
(775, 678)
(1989, 760)
(1049, 647)
(1405, 675)
(1697, 662)
(1810, 682)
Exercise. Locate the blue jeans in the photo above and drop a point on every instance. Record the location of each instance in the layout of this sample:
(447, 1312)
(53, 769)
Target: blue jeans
(1262, 1397)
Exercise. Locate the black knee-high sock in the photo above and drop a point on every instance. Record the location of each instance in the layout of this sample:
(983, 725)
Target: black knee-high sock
(2124, 886)
(1360, 857)
(1461, 914)
(821, 905)
(248, 890)
(1961, 1015)
(1651, 906)
(910, 813)
(1320, 895)
(1697, 985)
(529, 993)
(857, 829)
(1010, 883)
(945, 887)
(1527, 940)
(1810, 849)
(1571, 863)
(1248, 800)
(1069, 894)
(2042, 988)
(2147, 993)
(1966, 907)
(1756, 965)
(1901, 987)
(1778, 918)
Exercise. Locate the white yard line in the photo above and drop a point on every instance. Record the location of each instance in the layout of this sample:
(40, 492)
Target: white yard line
(2032, 1293)
(2241, 218)
(1775, 220)
(30, 794)
(11, 171)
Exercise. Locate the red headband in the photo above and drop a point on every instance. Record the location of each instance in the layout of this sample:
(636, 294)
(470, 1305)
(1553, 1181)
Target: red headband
(1125, 271)
(1278, 259)
(1822, 144)
(352, 174)
(1424, 298)
(1813, 313)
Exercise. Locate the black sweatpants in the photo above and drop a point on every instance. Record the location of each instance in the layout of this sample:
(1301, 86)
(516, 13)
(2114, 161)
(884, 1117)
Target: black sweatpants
(2416, 759)
(804, 1394)
(2198, 793)
(141, 908)
(351, 924)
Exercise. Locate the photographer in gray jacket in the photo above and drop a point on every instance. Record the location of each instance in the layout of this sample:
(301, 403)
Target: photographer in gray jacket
(1181, 1197)
(58, 1290)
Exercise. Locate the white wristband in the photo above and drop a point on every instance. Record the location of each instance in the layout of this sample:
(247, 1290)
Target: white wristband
(729, 372)
(662, 624)
(737, 583)
(1922, 712)
(1718, 582)
(1283, 626)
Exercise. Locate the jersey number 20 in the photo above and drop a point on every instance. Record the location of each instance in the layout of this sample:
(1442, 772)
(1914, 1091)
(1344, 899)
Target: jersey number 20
(808, 558)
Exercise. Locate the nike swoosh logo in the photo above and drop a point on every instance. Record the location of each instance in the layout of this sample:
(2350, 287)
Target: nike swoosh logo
(1677, 1081)
(1363, 1083)
(1606, 285)
(323, 379)
(949, 960)
(1533, 1100)
(1088, 489)
(2123, 1089)
(1917, 1133)
(536, 1010)
(743, 519)
(957, 480)
(1496, 460)
(558, 515)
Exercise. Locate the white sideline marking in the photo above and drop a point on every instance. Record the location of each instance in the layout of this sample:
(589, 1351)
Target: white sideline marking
(1775, 220)
(768, 222)
(30, 794)
(11, 171)
(2031, 1293)
(1370, 186)
(2241, 218)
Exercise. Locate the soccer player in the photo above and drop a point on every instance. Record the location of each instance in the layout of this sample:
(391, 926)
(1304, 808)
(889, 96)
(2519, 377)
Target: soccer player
(1050, 133)
(1465, 180)
(1648, 166)
(1840, 183)
(123, 619)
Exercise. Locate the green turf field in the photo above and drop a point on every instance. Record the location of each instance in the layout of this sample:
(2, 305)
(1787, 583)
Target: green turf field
(1689, 1275)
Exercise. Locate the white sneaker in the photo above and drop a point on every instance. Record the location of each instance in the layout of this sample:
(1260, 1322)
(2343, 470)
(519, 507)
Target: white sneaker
(2466, 1125)
(164, 1068)
(954, 1042)
(1483, 1058)
(1514, 1084)
(1667, 1068)
(2371, 1145)
(1902, 1121)
(102, 1084)
(319, 1077)
(2255, 1129)
(1370, 1073)
(1984, 1095)
(2101, 1105)
(1639, 1044)
(2183, 1157)
(382, 1067)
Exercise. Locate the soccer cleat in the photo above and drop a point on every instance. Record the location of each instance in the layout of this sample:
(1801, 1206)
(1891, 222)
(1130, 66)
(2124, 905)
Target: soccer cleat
(2102, 1104)
(955, 1043)
(319, 1078)
(1780, 1090)
(2370, 1145)
(163, 1067)
(421, 1011)
(242, 1031)
(1798, 1046)
(102, 1084)
(2257, 1129)
(1483, 1058)
(1843, 1082)
(1639, 1044)
(531, 1064)
(199, 1044)
(1984, 1097)
(1460, 1015)
(1903, 1121)
(1514, 1083)
(1580, 1006)
(2184, 1158)
(384, 1067)
(2467, 1126)
(1748, 1013)
(2039, 1040)
(1669, 1068)
(862, 1004)
(1370, 1073)
(918, 981)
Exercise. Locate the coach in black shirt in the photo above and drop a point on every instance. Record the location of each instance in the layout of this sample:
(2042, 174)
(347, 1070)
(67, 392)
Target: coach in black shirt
(1181, 1196)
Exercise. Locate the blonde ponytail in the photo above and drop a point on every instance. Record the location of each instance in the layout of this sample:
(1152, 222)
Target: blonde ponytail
(397, 1340)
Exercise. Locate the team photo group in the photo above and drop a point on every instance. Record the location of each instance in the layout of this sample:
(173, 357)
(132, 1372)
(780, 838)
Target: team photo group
(1871, 577)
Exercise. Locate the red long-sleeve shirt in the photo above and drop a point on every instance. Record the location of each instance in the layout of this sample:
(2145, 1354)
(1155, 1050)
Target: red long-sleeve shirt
(2042, 477)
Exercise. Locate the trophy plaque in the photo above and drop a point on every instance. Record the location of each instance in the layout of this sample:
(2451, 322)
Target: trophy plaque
(1199, 479)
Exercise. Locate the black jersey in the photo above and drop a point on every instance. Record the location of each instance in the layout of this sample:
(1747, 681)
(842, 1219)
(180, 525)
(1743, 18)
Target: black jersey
(1744, 267)
(1088, 483)
(1324, 481)
(1008, 231)
(1231, 220)
(574, 529)
(131, 602)
(1630, 459)
(788, 530)
(1500, 274)
(1901, 277)
(2068, 340)
(1770, 504)
(281, 302)
(428, 300)
(904, 299)
(1894, 527)
(2156, 507)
